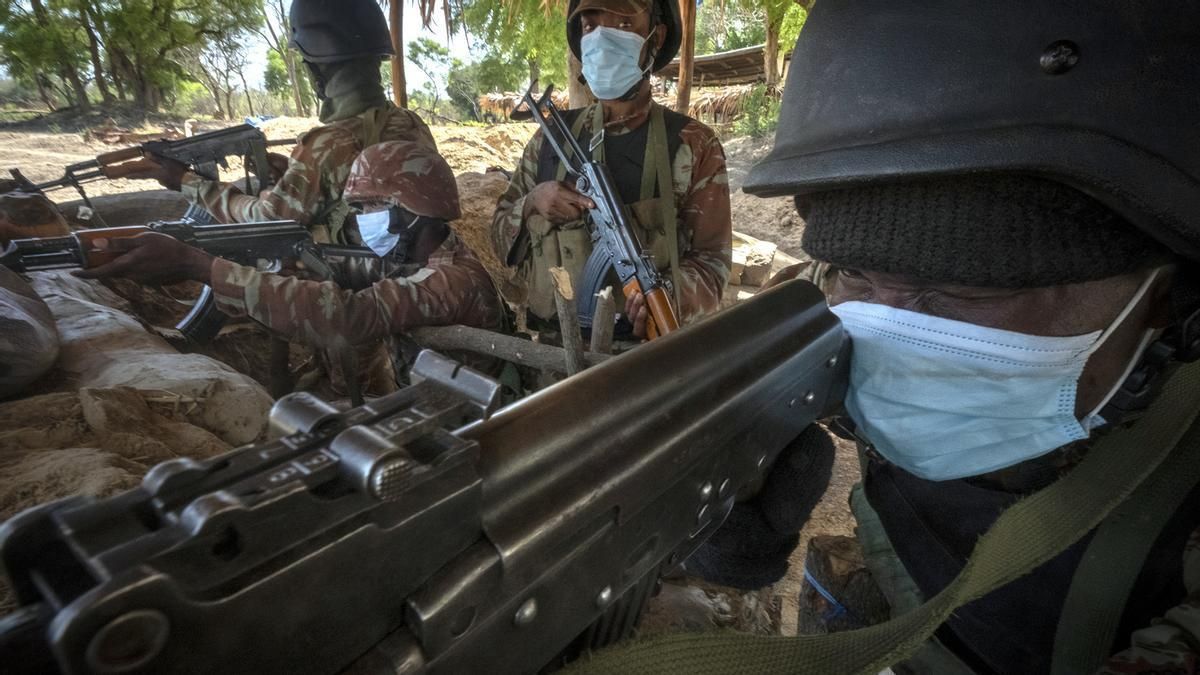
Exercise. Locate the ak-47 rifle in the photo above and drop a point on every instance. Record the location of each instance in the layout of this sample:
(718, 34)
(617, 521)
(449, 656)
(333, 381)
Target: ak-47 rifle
(615, 243)
(402, 537)
(244, 243)
(203, 153)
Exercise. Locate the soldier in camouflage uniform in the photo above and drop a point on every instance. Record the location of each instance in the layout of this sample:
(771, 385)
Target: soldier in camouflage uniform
(1011, 240)
(539, 222)
(341, 44)
(405, 195)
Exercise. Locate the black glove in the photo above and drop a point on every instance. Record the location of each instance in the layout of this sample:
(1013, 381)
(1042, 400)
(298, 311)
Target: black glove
(751, 549)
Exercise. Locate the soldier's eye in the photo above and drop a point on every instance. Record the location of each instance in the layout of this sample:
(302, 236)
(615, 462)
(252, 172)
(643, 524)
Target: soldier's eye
(847, 273)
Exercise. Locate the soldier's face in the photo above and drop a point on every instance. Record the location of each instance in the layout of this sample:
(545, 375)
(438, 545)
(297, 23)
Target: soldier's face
(1058, 311)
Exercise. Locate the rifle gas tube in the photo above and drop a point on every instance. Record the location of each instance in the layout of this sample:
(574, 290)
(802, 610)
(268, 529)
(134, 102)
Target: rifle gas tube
(394, 538)
(615, 244)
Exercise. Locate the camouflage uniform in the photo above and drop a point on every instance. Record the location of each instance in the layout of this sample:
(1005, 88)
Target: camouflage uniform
(310, 191)
(451, 288)
(701, 198)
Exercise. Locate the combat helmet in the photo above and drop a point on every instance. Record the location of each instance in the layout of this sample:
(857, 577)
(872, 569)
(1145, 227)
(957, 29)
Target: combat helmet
(665, 12)
(1099, 96)
(325, 31)
(404, 174)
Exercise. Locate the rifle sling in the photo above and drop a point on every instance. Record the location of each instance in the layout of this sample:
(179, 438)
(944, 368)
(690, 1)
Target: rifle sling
(1027, 534)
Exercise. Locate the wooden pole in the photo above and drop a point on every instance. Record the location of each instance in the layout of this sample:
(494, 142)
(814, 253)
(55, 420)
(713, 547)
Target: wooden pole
(568, 319)
(399, 84)
(602, 322)
(687, 54)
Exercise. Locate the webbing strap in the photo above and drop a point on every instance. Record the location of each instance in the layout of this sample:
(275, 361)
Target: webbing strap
(1027, 534)
(576, 127)
(657, 144)
(1112, 562)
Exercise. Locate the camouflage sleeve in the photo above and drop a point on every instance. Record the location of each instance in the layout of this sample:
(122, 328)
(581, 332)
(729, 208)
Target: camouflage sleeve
(508, 221)
(324, 315)
(297, 194)
(1172, 643)
(704, 221)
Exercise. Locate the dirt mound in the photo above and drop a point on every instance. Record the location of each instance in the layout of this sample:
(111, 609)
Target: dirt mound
(478, 193)
(475, 149)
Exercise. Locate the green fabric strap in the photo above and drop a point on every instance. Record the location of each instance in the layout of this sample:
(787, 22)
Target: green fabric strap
(576, 127)
(1104, 580)
(1026, 535)
(666, 195)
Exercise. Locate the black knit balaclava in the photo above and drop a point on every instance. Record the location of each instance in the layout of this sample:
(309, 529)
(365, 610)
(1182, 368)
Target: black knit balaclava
(1007, 231)
(347, 88)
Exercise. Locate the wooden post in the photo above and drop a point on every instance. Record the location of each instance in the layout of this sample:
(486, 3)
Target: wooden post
(579, 94)
(687, 54)
(568, 319)
(399, 84)
(602, 322)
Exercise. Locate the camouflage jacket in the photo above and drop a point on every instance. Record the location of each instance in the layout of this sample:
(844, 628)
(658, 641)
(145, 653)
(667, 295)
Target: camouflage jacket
(310, 191)
(701, 190)
(452, 288)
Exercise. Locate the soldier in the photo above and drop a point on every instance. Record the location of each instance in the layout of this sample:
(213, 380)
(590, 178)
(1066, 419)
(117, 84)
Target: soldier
(341, 44)
(1014, 244)
(539, 222)
(404, 194)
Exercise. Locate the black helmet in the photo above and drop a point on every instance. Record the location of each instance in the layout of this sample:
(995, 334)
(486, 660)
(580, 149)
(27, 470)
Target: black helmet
(324, 31)
(662, 12)
(1100, 96)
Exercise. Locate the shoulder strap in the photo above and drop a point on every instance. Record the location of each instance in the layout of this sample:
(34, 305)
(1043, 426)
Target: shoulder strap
(1101, 586)
(658, 156)
(597, 123)
(1026, 535)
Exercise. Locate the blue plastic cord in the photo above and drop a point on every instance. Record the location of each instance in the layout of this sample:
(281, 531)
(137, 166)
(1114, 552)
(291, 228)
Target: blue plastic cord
(836, 608)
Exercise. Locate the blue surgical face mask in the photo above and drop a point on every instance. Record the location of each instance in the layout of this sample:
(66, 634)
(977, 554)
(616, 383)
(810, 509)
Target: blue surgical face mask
(374, 230)
(612, 61)
(945, 399)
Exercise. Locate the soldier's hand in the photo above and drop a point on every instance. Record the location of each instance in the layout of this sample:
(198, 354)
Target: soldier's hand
(168, 172)
(637, 313)
(151, 258)
(278, 164)
(557, 202)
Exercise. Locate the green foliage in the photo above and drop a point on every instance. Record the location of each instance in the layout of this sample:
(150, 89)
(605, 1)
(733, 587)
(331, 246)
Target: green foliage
(275, 77)
(732, 26)
(522, 32)
(793, 21)
(141, 44)
(760, 114)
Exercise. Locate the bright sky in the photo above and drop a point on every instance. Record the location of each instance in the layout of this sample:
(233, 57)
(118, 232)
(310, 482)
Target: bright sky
(412, 30)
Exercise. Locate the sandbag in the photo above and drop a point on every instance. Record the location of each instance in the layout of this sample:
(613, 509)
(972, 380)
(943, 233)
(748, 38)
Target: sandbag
(104, 347)
(28, 337)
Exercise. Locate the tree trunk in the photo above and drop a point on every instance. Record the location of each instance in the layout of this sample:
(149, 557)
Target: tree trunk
(399, 81)
(771, 55)
(290, 62)
(579, 93)
(687, 54)
(246, 88)
(66, 69)
(44, 91)
(535, 72)
(94, 49)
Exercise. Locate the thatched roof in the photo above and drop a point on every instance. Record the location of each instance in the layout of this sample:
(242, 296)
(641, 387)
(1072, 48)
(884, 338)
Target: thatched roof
(739, 66)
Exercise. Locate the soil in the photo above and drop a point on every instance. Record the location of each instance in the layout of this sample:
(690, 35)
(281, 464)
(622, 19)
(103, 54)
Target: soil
(42, 147)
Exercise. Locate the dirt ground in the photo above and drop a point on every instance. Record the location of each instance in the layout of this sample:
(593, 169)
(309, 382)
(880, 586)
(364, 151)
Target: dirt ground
(41, 151)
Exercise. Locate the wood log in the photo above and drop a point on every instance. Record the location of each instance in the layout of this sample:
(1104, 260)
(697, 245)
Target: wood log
(602, 322)
(568, 319)
(687, 54)
(480, 341)
(847, 596)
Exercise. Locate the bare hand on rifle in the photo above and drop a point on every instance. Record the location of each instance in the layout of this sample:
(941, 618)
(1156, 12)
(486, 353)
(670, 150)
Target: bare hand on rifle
(637, 313)
(279, 165)
(151, 258)
(168, 172)
(557, 202)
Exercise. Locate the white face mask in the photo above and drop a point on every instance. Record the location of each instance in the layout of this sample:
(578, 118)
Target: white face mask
(374, 230)
(946, 399)
(611, 61)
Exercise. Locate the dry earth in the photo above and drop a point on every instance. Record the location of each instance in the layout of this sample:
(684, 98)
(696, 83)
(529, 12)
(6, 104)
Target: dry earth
(42, 153)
